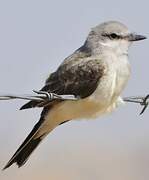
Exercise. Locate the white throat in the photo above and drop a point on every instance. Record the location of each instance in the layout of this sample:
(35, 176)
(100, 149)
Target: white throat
(119, 47)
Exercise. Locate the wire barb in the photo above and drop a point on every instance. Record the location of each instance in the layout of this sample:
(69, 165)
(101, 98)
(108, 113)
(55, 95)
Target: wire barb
(41, 96)
(45, 98)
(145, 103)
(142, 100)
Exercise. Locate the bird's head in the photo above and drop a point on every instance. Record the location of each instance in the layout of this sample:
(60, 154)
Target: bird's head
(113, 36)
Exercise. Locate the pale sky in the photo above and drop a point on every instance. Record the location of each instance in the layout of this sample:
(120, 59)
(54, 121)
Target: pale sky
(35, 36)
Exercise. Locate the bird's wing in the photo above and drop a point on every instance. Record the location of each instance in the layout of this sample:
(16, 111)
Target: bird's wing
(78, 75)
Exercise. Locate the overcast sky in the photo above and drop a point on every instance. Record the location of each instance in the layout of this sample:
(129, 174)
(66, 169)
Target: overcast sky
(35, 36)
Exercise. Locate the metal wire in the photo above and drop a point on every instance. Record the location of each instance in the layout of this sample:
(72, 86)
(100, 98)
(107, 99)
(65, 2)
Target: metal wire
(44, 97)
(142, 100)
(40, 96)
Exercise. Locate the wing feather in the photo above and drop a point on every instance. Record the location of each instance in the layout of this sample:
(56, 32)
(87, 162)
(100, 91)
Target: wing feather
(78, 75)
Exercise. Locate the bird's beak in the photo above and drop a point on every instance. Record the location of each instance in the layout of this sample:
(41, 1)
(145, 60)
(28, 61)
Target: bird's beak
(136, 37)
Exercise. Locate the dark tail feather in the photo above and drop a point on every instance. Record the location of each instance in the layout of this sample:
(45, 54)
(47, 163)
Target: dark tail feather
(29, 144)
(22, 155)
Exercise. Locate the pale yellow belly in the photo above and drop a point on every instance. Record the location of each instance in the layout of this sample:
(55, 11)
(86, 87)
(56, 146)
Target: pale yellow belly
(104, 100)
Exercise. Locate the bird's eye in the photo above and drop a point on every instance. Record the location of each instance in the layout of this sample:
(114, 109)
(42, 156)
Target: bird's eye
(112, 36)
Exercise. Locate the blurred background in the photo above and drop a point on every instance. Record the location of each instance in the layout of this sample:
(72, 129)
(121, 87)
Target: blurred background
(35, 36)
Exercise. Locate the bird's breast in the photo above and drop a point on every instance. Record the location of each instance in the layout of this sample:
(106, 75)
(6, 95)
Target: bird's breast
(113, 81)
(103, 100)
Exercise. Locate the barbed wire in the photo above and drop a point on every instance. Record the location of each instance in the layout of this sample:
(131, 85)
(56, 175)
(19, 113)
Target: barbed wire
(45, 98)
(142, 100)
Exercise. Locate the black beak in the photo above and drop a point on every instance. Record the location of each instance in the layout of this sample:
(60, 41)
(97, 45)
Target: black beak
(136, 37)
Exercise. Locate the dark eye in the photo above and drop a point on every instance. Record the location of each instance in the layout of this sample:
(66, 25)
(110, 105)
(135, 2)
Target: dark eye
(113, 36)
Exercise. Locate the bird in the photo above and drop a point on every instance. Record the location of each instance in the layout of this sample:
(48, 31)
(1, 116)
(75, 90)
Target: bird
(96, 74)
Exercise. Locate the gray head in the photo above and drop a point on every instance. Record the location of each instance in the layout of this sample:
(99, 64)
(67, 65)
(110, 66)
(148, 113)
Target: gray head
(113, 36)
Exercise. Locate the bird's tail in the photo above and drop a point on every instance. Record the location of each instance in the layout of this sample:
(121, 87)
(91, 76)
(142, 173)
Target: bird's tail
(30, 143)
(45, 125)
(23, 153)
